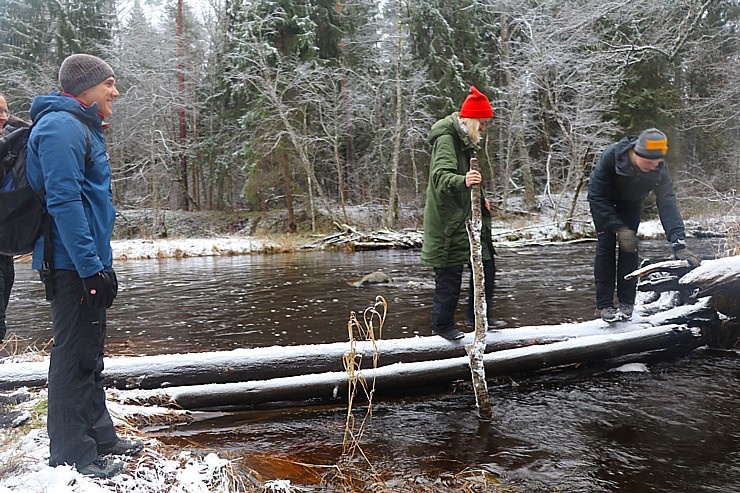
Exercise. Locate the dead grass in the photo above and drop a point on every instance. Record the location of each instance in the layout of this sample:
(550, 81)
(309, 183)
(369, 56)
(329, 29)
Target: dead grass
(17, 349)
(732, 245)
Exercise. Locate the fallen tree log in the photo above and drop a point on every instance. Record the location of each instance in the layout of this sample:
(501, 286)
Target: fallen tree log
(426, 374)
(665, 266)
(239, 365)
(718, 278)
(352, 239)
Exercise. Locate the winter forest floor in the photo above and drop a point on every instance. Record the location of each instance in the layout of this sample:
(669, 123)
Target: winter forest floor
(143, 234)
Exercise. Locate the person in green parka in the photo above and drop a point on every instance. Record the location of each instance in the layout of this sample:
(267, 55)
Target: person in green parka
(446, 246)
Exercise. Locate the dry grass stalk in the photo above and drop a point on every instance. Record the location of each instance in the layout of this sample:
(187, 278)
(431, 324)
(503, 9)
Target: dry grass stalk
(732, 245)
(21, 350)
(369, 329)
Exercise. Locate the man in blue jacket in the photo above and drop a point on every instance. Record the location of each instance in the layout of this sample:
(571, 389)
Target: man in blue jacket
(626, 173)
(67, 158)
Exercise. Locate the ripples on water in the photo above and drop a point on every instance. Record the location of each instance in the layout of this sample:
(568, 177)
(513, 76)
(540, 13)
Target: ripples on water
(675, 428)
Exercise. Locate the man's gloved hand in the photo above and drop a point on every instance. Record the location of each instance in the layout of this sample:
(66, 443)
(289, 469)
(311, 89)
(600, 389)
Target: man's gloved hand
(99, 291)
(114, 281)
(627, 239)
(687, 255)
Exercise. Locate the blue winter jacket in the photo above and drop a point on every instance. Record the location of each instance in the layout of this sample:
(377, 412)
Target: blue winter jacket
(79, 200)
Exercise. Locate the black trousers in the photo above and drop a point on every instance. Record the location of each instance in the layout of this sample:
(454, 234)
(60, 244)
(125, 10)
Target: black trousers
(7, 278)
(78, 422)
(447, 281)
(610, 269)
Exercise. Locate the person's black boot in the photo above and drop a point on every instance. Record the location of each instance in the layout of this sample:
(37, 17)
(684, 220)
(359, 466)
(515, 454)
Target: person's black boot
(495, 323)
(102, 467)
(448, 332)
(123, 447)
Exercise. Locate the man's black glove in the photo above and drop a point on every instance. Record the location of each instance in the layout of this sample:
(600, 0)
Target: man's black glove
(687, 255)
(114, 281)
(627, 239)
(99, 291)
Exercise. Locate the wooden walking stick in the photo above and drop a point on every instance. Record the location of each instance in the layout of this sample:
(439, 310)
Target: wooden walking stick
(476, 349)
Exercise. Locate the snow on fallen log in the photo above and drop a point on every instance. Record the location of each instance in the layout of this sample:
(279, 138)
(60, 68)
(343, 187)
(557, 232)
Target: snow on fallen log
(665, 266)
(426, 374)
(719, 279)
(168, 370)
(352, 239)
(714, 276)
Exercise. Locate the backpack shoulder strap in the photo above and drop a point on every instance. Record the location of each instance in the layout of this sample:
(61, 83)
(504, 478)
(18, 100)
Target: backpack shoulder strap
(88, 148)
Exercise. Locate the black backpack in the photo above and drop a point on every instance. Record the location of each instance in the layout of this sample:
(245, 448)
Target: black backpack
(21, 207)
(22, 212)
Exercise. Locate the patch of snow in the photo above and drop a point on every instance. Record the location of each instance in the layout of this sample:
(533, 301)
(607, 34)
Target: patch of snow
(632, 367)
(188, 247)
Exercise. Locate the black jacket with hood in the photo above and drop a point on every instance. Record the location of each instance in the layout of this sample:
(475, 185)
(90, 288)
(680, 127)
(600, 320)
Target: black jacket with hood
(616, 184)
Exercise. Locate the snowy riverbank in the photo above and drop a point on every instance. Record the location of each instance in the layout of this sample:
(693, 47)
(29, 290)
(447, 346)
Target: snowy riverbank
(509, 233)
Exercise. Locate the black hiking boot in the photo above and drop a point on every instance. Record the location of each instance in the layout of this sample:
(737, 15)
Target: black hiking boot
(124, 447)
(493, 324)
(102, 467)
(608, 314)
(625, 311)
(449, 333)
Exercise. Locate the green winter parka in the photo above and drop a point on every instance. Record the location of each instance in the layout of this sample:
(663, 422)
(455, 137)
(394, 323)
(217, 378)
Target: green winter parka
(448, 205)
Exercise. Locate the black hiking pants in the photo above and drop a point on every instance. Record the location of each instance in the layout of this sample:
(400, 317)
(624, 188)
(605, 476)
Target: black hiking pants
(610, 269)
(78, 422)
(7, 278)
(447, 282)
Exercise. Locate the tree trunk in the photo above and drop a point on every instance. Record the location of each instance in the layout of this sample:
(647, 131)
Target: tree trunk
(288, 191)
(583, 175)
(182, 123)
(477, 347)
(391, 217)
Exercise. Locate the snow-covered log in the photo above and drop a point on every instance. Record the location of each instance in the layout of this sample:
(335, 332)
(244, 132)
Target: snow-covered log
(718, 278)
(239, 365)
(665, 266)
(427, 374)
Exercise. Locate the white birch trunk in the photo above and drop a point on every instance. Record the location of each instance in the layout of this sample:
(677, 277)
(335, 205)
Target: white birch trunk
(477, 348)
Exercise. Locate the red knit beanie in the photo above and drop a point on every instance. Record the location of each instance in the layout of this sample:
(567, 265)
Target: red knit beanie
(476, 105)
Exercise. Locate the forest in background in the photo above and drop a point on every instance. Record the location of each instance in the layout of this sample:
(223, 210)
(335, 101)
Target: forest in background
(317, 105)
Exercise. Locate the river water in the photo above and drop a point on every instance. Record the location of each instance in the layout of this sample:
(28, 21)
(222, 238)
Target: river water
(672, 428)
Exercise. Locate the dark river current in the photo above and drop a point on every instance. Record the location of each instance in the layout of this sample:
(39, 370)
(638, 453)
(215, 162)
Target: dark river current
(672, 428)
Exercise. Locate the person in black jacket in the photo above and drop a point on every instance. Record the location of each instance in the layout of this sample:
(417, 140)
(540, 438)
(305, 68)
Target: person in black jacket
(7, 269)
(626, 173)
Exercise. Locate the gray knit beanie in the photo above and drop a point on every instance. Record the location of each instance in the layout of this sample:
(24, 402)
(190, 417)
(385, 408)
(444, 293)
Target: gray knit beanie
(651, 144)
(80, 72)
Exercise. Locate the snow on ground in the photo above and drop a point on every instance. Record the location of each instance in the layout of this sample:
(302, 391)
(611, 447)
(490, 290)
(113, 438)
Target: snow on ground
(541, 229)
(24, 468)
(189, 247)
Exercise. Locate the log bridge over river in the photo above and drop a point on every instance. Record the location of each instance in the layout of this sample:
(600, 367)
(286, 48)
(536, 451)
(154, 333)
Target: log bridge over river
(670, 324)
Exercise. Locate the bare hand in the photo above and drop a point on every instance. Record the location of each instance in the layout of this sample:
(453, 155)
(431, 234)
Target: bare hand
(472, 177)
